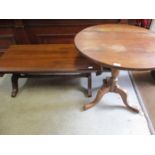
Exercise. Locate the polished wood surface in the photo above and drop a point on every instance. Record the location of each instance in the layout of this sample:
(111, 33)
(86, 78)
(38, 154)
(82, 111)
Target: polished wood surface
(118, 46)
(45, 58)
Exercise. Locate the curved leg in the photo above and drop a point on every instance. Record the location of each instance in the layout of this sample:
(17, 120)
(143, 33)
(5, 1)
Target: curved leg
(124, 97)
(103, 90)
(110, 85)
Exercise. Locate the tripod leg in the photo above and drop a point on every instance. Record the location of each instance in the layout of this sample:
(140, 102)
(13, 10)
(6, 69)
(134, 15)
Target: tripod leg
(103, 90)
(124, 97)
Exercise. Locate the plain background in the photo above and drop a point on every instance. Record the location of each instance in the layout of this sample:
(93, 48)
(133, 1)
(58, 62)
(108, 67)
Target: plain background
(76, 9)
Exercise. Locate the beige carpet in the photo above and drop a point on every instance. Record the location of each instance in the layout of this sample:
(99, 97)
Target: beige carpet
(146, 87)
(53, 106)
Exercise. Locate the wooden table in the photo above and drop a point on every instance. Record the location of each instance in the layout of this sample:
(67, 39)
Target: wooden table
(119, 47)
(45, 60)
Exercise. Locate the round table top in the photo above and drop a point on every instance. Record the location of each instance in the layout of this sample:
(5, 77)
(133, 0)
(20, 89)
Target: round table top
(118, 46)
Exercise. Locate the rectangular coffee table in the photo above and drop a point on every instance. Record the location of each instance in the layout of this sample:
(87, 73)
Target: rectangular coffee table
(44, 60)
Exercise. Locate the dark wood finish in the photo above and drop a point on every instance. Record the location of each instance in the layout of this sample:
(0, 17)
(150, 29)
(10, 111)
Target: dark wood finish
(58, 31)
(37, 31)
(89, 85)
(1, 54)
(1, 74)
(6, 34)
(124, 21)
(14, 81)
(118, 45)
(46, 60)
(15, 78)
(20, 35)
(6, 41)
(153, 74)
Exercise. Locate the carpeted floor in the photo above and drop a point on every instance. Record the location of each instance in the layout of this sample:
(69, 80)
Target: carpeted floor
(146, 87)
(53, 106)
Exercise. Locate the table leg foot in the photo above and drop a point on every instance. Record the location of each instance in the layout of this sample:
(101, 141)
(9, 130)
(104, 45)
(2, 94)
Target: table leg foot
(124, 97)
(88, 106)
(14, 93)
(103, 90)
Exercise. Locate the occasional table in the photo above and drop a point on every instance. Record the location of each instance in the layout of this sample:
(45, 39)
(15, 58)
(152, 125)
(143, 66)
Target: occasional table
(118, 47)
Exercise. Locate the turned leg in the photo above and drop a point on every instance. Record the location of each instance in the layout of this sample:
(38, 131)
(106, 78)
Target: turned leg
(89, 85)
(116, 89)
(14, 80)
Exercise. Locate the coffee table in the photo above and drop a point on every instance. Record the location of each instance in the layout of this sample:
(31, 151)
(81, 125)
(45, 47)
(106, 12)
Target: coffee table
(45, 60)
(118, 47)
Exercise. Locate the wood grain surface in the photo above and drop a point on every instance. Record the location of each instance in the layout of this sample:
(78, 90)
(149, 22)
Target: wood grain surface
(118, 46)
(45, 58)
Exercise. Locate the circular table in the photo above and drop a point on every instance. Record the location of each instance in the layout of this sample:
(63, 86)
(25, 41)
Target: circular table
(119, 47)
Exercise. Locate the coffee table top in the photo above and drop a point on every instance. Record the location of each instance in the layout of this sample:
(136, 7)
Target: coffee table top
(118, 46)
(57, 58)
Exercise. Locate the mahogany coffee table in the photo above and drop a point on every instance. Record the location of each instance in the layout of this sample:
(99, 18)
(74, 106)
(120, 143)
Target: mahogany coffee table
(45, 60)
(119, 47)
